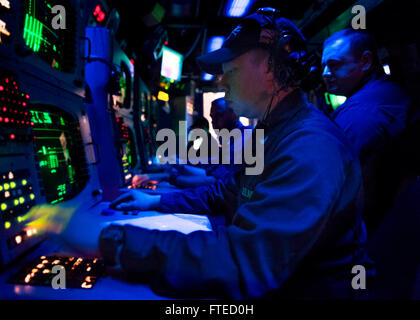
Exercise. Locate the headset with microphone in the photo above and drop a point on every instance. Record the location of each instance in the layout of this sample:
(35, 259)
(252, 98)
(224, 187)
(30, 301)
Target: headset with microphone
(291, 64)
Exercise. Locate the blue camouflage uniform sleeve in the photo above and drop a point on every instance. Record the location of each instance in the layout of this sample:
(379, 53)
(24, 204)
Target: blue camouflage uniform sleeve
(285, 217)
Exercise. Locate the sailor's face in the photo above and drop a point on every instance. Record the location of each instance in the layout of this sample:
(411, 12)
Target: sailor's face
(341, 71)
(245, 82)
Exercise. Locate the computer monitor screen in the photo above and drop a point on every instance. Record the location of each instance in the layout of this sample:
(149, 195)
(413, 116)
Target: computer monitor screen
(171, 64)
(60, 153)
(57, 47)
(334, 101)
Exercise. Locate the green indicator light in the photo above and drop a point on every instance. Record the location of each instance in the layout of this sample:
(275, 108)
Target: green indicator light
(62, 121)
(57, 65)
(19, 219)
(44, 150)
(54, 48)
(24, 182)
(30, 32)
(3, 206)
(53, 162)
(13, 184)
(6, 186)
(21, 200)
(32, 196)
(16, 202)
(7, 225)
(47, 118)
(38, 35)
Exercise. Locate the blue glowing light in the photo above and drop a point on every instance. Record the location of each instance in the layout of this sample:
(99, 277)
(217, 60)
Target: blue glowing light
(213, 44)
(237, 8)
(207, 77)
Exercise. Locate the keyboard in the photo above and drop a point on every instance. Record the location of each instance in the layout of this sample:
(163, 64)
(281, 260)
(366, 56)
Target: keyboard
(80, 273)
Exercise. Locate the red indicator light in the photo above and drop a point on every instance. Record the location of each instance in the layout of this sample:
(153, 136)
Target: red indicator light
(99, 14)
(4, 109)
(7, 80)
(1, 88)
(12, 136)
(32, 123)
(24, 104)
(6, 120)
(166, 43)
(1, 119)
(28, 96)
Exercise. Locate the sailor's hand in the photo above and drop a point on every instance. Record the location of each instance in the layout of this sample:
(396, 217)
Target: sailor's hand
(136, 200)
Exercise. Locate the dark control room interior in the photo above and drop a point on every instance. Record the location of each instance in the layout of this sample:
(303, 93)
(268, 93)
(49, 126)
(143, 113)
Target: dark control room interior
(209, 149)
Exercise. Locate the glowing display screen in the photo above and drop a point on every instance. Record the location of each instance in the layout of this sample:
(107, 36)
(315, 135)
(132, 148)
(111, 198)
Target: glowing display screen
(60, 153)
(334, 101)
(171, 64)
(56, 47)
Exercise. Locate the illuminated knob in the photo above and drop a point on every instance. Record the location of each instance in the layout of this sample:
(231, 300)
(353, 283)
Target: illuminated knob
(3, 207)
(18, 239)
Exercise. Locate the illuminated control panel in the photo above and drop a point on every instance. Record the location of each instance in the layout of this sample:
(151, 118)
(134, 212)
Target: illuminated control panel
(59, 152)
(80, 273)
(128, 150)
(15, 118)
(19, 184)
(16, 198)
(54, 46)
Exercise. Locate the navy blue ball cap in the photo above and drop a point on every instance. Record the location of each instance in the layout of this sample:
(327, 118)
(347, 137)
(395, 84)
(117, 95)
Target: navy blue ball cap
(246, 36)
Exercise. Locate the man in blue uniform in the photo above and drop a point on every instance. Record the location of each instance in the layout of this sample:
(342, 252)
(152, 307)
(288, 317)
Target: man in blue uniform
(373, 116)
(293, 231)
(190, 176)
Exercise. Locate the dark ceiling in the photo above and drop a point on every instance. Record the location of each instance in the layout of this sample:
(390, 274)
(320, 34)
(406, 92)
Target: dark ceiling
(189, 23)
